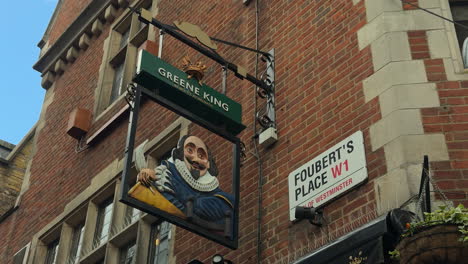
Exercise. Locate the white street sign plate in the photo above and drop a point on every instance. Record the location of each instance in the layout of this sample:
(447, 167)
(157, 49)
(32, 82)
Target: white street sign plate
(332, 173)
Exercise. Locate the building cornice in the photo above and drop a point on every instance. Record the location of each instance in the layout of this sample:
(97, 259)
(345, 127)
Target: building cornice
(42, 42)
(7, 144)
(71, 35)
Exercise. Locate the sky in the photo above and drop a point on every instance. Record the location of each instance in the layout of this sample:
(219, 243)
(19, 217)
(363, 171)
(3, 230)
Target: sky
(21, 95)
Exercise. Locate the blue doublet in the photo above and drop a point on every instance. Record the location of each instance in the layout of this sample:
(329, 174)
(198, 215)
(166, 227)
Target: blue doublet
(211, 206)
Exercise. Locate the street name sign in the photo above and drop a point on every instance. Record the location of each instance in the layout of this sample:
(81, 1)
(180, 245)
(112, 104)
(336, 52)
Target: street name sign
(329, 175)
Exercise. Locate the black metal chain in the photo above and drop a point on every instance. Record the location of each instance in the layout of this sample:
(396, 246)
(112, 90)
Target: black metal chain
(437, 15)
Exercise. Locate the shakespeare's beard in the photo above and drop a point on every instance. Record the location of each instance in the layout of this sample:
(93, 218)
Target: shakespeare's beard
(195, 173)
(196, 169)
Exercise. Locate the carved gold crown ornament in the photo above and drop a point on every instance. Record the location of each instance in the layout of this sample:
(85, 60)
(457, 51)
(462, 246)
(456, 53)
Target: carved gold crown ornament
(195, 70)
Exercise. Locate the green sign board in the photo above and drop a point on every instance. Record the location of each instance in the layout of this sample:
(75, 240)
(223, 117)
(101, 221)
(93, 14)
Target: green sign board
(201, 100)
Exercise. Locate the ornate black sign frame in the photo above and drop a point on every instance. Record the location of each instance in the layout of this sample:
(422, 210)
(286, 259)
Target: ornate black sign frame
(229, 238)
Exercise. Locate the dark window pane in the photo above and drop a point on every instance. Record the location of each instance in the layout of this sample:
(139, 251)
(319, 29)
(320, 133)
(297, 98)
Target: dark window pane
(77, 241)
(131, 215)
(52, 251)
(127, 254)
(117, 83)
(103, 223)
(159, 244)
(19, 257)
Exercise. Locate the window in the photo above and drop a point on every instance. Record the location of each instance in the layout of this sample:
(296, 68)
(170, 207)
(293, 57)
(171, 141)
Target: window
(126, 37)
(131, 215)
(159, 244)
(127, 253)
(52, 252)
(77, 242)
(117, 83)
(103, 222)
(459, 11)
(21, 257)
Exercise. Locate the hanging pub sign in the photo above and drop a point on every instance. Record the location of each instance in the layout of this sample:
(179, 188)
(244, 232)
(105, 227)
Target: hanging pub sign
(329, 175)
(184, 189)
(186, 186)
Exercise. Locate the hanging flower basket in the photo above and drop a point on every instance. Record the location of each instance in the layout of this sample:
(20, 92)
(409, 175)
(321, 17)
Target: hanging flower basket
(436, 244)
(441, 238)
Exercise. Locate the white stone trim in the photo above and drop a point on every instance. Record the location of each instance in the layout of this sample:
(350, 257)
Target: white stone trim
(411, 148)
(453, 48)
(48, 99)
(402, 88)
(429, 3)
(396, 187)
(395, 73)
(390, 47)
(394, 125)
(398, 21)
(438, 43)
(391, 190)
(375, 8)
(452, 73)
(409, 96)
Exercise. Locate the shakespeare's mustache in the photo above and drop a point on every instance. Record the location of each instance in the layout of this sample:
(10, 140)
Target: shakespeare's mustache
(196, 164)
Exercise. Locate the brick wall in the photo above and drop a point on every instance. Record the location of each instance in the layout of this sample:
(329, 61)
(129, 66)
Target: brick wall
(11, 176)
(320, 101)
(450, 119)
(67, 13)
(11, 179)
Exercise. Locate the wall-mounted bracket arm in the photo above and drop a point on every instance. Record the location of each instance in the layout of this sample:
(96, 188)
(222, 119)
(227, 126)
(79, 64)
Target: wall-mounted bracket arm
(146, 17)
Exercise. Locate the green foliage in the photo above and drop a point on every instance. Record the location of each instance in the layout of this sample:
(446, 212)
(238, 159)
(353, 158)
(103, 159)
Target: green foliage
(444, 215)
(394, 254)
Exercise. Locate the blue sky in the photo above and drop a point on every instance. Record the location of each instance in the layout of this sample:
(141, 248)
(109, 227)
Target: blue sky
(21, 28)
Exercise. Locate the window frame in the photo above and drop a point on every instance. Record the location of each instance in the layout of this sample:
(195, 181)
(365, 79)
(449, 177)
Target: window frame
(131, 215)
(154, 252)
(124, 251)
(52, 235)
(76, 246)
(451, 52)
(52, 247)
(106, 209)
(456, 30)
(116, 53)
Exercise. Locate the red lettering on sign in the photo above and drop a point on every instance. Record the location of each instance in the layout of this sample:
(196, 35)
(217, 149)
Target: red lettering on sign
(337, 170)
(333, 190)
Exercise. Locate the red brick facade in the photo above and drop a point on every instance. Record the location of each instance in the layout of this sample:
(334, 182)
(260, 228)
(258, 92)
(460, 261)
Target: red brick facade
(319, 101)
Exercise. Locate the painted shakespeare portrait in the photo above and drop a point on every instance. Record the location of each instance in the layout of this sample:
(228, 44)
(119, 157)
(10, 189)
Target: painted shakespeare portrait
(186, 186)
